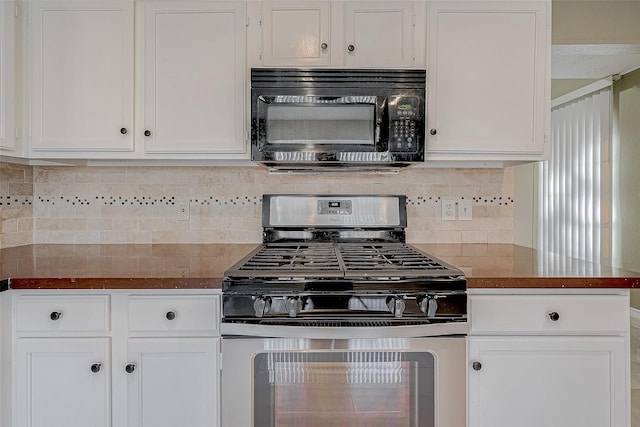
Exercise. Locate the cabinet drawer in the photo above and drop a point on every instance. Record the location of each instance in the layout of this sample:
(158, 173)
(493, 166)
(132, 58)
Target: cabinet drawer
(166, 313)
(62, 313)
(549, 314)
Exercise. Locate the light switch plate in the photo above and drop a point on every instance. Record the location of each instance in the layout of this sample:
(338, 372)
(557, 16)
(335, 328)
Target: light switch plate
(448, 210)
(465, 210)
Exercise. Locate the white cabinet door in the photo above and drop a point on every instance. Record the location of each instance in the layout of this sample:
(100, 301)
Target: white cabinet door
(547, 381)
(82, 75)
(296, 33)
(378, 34)
(173, 382)
(7, 76)
(488, 79)
(191, 77)
(62, 382)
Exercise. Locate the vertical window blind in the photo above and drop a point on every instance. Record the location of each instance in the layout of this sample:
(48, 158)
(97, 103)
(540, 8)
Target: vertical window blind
(574, 185)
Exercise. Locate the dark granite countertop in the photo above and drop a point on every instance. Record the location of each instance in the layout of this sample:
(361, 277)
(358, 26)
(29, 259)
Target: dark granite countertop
(202, 266)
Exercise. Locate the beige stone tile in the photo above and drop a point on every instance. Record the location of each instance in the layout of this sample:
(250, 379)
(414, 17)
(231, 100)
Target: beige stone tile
(502, 236)
(129, 236)
(99, 224)
(9, 226)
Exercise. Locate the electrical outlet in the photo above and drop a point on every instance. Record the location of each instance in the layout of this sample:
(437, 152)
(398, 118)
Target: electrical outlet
(183, 211)
(465, 210)
(448, 210)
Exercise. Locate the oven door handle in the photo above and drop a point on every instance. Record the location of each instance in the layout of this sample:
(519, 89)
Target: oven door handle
(327, 332)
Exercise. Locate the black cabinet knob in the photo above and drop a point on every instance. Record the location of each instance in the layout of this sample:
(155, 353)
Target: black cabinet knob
(171, 315)
(147, 132)
(554, 316)
(55, 315)
(324, 46)
(130, 368)
(95, 368)
(476, 366)
(123, 131)
(433, 131)
(351, 48)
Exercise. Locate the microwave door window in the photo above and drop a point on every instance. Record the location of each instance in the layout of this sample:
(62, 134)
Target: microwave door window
(321, 125)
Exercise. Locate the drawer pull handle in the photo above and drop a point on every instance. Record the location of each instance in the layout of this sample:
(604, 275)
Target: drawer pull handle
(55, 315)
(95, 368)
(476, 366)
(554, 316)
(130, 368)
(171, 315)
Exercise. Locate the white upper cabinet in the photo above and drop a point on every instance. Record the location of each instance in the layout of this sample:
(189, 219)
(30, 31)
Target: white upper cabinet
(190, 77)
(488, 80)
(81, 75)
(7, 76)
(338, 34)
(378, 34)
(296, 33)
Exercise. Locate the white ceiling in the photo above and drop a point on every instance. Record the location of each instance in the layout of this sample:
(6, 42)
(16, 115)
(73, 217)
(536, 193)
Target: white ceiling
(593, 61)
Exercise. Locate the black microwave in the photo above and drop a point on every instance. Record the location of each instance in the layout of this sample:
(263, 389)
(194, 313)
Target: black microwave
(330, 119)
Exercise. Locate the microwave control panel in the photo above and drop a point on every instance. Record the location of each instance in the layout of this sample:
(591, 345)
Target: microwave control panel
(404, 117)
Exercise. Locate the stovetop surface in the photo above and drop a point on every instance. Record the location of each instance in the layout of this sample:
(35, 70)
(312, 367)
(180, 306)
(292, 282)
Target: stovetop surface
(340, 260)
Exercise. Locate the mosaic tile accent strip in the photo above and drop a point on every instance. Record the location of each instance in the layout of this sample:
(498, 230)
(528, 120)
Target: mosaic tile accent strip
(172, 200)
(479, 200)
(9, 201)
(145, 200)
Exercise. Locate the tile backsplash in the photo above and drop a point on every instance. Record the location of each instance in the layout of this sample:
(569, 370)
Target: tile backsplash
(223, 204)
(16, 205)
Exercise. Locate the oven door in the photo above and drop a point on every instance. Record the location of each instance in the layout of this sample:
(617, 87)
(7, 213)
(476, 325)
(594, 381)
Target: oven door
(290, 123)
(300, 381)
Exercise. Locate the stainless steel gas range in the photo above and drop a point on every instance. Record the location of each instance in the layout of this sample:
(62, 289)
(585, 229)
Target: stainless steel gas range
(334, 296)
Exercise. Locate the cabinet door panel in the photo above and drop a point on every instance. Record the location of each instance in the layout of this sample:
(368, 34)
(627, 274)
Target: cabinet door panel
(175, 382)
(293, 33)
(55, 385)
(82, 76)
(533, 382)
(7, 77)
(487, 77)
(192, 70)
(381, 34)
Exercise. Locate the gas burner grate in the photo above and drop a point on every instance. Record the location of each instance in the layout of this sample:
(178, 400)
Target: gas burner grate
(340, 260)
(387, 257)
(294, 258)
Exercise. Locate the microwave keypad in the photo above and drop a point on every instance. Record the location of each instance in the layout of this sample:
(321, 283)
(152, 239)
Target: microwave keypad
(404, 121)
(402, 135)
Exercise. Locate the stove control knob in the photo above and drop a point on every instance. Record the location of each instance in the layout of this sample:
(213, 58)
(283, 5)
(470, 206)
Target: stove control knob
(428, 305)
(396, 306)
(293, 305)
(261, 306)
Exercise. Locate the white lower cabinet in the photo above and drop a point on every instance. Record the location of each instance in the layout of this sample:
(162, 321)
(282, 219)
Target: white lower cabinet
(114, 359)
(62, 382)
(173, 382)
(543, 369)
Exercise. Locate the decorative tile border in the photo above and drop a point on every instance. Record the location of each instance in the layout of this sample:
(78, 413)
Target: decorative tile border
(478, 200)
(16, 201)
(242, 200)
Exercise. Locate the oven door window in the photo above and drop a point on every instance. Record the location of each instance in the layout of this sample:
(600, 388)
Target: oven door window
(319, 123)
(352, 388)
